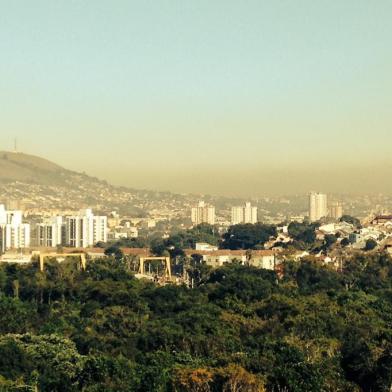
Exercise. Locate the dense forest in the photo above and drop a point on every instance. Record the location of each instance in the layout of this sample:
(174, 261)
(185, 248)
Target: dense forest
(241, 329)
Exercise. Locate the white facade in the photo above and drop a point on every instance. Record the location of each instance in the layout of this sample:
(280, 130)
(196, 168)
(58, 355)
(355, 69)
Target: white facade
(205, 247)
(51, 233)
(14, 234)
(318, 206)
(203, 213)
(237, 215)
(85, 229)
(244, 214)
(261, 259)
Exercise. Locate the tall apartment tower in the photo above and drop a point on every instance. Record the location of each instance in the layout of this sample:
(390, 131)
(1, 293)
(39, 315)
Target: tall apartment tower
(318, 206)
(85, 229)
(336, 210)
(244, 214)
(203, 213)
(14, 234)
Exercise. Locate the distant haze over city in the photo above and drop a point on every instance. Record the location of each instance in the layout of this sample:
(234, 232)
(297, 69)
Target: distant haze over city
(237, 182)
(249, 182)
(226, 98)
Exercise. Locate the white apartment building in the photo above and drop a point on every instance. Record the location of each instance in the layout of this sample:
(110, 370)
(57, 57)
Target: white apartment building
(203, 213)
(14, 234)
(85, 229)
(318, 206)
(51, 233)
(244, 214)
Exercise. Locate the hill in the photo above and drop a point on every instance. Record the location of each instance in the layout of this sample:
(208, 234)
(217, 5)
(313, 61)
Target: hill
(31, 169)
(39, 183)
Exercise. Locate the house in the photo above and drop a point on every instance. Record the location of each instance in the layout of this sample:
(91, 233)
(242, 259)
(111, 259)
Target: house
(256, 258)
(262, 259)
(205, 246)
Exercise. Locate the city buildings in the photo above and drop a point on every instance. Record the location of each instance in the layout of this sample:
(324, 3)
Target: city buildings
(244, 214)
(79, 231)
(336, 210)
(14, 234)
(203, 213)
(85, 229)
(318, 206)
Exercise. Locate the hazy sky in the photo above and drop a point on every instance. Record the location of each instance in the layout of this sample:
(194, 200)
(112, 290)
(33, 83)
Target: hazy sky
(236, 97)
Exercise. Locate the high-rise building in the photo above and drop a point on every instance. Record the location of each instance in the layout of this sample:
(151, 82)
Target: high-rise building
(237, 215)
(14, 234)
(318, 206)
(51, 233)
(243, 214)
(336, 210)
(203, 213)
(85, 229)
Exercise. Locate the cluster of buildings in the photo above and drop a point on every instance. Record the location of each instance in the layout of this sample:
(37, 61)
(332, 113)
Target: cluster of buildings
(319, 207)
(244, 214)
(81, 230)
(205, 213)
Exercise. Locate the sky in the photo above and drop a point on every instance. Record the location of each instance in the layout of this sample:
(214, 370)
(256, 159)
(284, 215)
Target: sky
(223, 97)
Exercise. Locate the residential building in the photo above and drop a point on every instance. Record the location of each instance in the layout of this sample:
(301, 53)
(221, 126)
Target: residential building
(203, 213)
(318, 207)
(243, 214)
(14, 234)
(85, 229)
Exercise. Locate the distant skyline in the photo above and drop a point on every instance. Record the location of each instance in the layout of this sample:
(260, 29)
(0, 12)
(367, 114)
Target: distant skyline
(225, 97)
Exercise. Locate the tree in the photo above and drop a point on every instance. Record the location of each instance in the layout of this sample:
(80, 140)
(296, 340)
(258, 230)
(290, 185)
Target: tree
(303, 232)
(312, 277)
(158, 247)
(237, 379)
(193, 380)
(248, 236)
(370, 244)
(114, 251)
(292, 372)
(329, 240)
(55, 360)
(345, 242)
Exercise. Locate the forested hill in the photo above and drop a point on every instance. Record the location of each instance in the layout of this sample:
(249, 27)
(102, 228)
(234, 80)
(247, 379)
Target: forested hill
(242, 329)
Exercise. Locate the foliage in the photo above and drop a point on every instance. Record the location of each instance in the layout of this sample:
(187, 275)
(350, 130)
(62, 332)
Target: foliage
(370, 244)
(240, 330)
(303, 232)
(248, 236)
